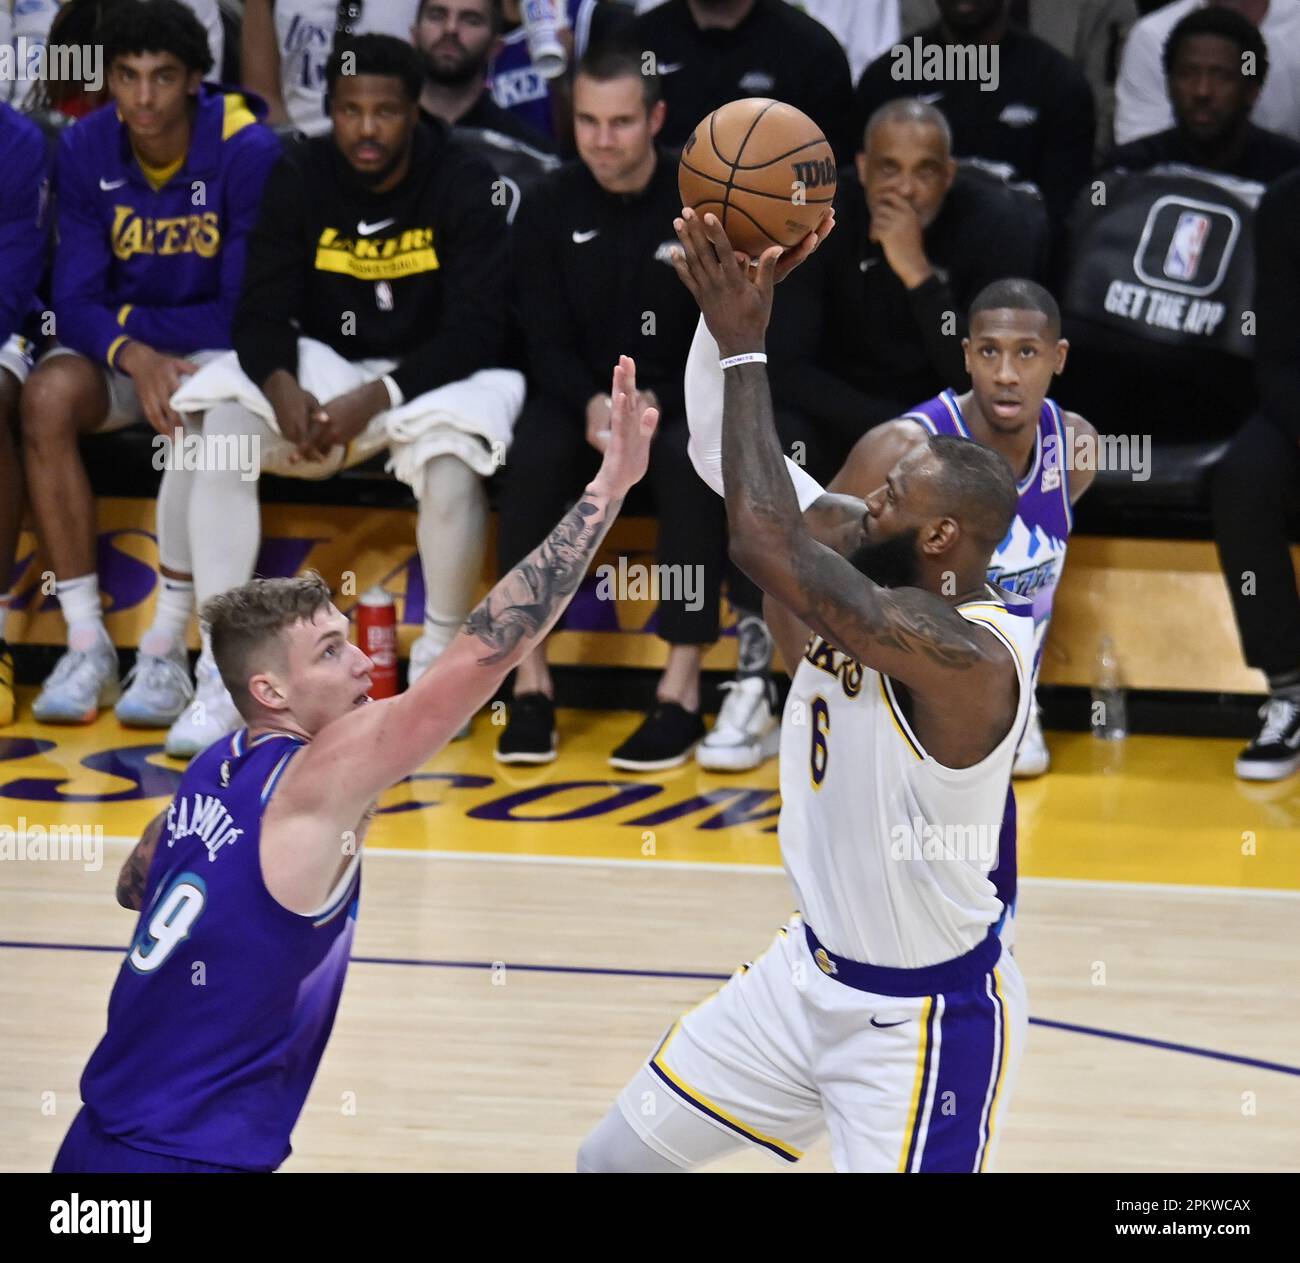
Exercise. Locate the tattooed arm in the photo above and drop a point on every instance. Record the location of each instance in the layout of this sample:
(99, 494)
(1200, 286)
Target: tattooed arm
(959, 675)
(134, 876)
(960, 678)
(356, 758)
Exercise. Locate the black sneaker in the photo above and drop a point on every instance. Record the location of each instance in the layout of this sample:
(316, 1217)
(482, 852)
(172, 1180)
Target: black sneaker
(666, 738)
(1275, 753)
(530, 735)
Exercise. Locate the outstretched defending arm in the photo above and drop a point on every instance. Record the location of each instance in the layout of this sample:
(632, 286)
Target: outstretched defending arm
(357, 757)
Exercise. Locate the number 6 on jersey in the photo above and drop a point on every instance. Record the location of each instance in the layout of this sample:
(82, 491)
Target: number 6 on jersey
(819, 754)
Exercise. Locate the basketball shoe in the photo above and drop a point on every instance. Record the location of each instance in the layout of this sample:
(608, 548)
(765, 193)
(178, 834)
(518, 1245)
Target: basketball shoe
(157, 689)
(208, 718)
(82, 682)
(748, 730)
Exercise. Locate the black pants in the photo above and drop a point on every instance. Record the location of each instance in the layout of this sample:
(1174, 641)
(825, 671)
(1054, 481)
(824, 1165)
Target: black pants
(1256, 493)
(551, 461)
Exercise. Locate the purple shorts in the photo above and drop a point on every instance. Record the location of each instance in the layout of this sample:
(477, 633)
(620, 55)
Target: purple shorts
(88, 1149)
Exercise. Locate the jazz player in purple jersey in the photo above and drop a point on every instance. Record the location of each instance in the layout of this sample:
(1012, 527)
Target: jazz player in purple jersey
(1013, 351)
(248, 883)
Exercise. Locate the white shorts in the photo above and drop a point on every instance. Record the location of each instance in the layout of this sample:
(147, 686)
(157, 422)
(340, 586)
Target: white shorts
(275, 452)
(784, 1051)
(471, 419)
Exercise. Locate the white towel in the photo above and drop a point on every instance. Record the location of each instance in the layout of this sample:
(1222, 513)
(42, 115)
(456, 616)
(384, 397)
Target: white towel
(473, 419)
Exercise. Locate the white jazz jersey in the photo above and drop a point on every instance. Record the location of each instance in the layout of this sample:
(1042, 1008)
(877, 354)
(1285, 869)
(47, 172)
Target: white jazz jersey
(889, 851)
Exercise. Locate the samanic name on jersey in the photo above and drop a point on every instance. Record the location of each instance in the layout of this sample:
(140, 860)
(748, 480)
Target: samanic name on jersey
(847, 670)
(178, 234)
(203, 816)
(376, 258)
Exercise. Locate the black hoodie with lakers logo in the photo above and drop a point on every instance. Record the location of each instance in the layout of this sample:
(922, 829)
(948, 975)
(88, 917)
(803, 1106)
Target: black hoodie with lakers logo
(417, 274)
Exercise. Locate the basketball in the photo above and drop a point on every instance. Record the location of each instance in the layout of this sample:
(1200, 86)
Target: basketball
(764, 168)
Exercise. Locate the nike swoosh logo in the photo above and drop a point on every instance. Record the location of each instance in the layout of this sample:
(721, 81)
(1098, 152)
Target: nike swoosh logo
(881, 1026)
(670, 67)
(109, 185)
(580, 237)
(366, 229)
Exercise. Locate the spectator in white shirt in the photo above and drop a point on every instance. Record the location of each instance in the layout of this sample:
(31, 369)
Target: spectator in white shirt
(1142, 103)
(284, 45)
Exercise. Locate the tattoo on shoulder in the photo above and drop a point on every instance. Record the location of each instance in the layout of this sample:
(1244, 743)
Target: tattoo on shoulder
(903, 620)
(524, 604)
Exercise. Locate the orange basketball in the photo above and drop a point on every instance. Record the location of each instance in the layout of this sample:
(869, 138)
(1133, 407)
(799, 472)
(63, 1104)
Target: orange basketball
(763, 168)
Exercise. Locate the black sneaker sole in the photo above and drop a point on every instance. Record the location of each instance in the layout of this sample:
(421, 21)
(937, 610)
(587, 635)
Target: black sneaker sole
(1270, 770)
(652, 765)
(534, 758)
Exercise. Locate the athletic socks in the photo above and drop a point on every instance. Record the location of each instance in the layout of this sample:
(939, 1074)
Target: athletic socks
(170, 618)
(440, 631)
(82, 611)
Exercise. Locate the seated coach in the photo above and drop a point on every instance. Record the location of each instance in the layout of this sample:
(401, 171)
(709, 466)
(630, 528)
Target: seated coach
(595, 281)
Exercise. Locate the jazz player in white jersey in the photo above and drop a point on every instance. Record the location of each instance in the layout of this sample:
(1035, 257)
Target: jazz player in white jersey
(887, 1011)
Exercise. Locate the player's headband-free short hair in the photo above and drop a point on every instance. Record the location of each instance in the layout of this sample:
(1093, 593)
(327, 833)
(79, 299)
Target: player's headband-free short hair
(1017, 293)
(1226, 23)
(383, 55)
(613, 60)
(156, 26)
(245, 620)
(975, 484)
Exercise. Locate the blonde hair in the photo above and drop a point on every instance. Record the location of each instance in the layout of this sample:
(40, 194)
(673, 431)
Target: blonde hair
(247, 621)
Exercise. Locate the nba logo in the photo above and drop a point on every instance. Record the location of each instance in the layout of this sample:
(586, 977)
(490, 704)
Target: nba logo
(1186, 245)
(383, 296)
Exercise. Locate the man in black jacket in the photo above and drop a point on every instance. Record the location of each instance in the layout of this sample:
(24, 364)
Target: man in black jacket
(709, 52)
(372, 315)
(879, 310)
(1031, 110)
(594, 280)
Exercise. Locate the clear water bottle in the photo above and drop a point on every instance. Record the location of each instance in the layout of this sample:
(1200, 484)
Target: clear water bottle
(1109, 708)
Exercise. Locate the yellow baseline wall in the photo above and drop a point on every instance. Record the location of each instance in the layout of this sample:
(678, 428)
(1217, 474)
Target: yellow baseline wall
(1164, 602)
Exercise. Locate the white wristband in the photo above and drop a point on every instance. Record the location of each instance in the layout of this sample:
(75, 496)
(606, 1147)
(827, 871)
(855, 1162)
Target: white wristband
(395, 396)
(751, 357)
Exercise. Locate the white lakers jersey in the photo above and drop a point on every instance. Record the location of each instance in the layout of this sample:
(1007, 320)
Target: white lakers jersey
(889, 851)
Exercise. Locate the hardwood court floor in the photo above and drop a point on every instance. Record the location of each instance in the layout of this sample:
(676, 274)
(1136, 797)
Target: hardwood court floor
(526, 936)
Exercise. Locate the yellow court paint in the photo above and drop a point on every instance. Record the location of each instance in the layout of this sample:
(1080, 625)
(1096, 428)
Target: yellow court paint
(1150, 809)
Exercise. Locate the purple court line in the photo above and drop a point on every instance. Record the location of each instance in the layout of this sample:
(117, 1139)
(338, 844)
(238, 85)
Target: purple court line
(604, 971)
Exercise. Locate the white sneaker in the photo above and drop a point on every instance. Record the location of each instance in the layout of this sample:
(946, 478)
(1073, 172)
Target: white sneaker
(82, 682)
(158, 688)
(208, 718)
(1032, 756)
(424, 653)
(747, 732)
